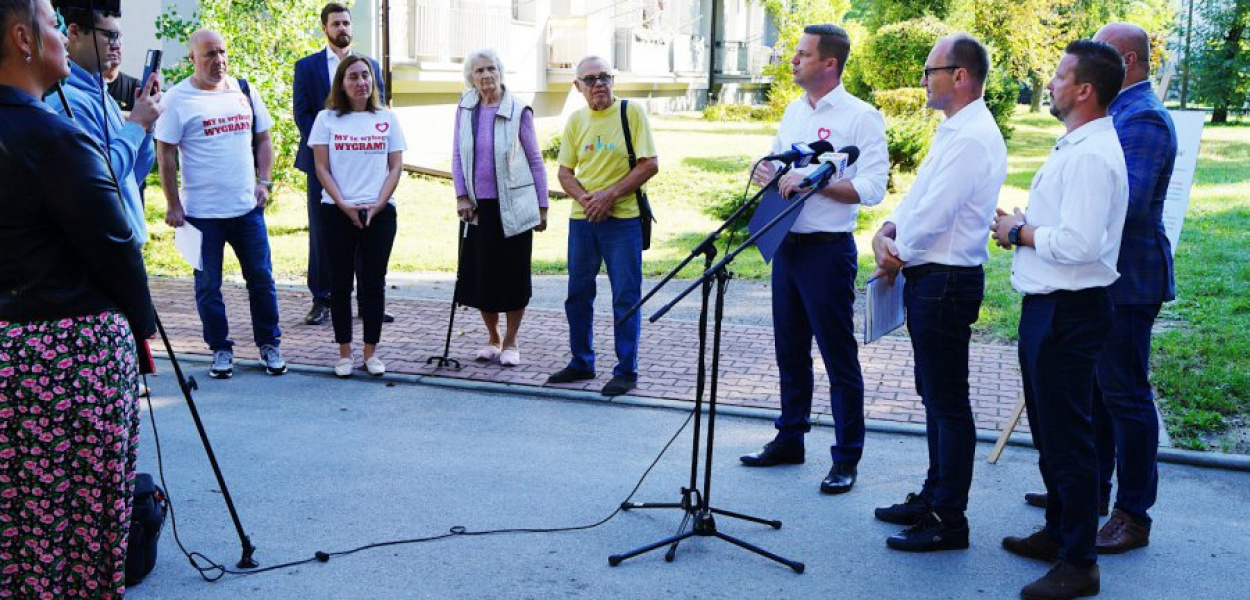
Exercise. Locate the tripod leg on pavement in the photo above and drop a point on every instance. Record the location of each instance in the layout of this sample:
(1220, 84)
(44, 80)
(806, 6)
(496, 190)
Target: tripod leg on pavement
(616, 559)
(793, 564)
(770, 522)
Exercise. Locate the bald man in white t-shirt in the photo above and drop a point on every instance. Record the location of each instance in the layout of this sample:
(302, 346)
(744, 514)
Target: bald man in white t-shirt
(220, 135)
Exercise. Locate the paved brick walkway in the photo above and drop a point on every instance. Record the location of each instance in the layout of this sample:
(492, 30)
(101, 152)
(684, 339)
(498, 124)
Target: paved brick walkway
(668, 354)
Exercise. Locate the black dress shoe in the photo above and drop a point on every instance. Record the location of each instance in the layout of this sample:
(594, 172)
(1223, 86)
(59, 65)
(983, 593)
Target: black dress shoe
(569, 375)
(619, 385)
(840, 480)
(387, 317)
(775, 453)
(319, 314)
(929, 534)
(1039, 500)
(910, 512)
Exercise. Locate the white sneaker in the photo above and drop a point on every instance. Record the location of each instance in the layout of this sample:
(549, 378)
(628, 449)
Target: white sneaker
(487, 353)
(343, 368)
(223, 364)
(510, 357)
(375, 366)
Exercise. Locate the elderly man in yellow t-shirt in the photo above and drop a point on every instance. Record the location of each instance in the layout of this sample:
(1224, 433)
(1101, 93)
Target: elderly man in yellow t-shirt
(605, 223)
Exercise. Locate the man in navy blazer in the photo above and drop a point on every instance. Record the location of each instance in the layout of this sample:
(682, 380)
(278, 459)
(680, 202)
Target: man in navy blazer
(313, 74)
(1126, 421)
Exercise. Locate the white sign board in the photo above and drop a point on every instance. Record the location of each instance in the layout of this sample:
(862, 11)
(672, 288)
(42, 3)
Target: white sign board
(1188, 125)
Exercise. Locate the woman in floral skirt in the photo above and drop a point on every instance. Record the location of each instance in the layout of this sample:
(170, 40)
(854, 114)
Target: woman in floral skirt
(73, 299)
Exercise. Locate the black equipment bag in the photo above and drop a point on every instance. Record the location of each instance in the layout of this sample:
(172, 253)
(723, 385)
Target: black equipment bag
(147, 516)
(644, 204)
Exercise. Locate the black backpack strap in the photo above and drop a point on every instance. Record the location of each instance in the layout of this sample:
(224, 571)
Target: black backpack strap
(247, 93)
(643, 206)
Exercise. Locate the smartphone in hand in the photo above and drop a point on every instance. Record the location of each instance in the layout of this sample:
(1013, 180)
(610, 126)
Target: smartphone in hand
(363, 215)
(151, 65)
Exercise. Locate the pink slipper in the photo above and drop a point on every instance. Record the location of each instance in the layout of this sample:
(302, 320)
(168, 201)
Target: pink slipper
(510, 357)
(488, 353)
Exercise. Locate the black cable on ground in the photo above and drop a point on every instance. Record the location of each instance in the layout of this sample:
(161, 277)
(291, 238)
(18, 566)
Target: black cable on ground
(211, 570)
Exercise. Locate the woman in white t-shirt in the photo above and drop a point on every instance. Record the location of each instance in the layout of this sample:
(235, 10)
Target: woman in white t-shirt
(358, 149)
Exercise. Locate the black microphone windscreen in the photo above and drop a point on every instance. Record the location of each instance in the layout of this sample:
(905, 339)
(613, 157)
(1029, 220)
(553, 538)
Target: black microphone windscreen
(852, 154)
(820, 147)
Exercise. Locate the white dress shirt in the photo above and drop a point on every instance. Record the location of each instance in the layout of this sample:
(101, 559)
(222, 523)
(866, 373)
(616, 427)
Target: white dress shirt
(332, 63)
(843, 120)
(944, 217)
(1078, 202)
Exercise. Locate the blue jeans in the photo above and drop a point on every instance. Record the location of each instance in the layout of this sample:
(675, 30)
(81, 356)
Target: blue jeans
(1124, 412)
(616, 243)
(247, 235)
(813, 288)
(941, 308)
(1061, 335)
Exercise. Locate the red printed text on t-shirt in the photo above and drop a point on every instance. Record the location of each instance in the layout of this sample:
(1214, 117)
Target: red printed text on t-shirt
(359, 143)
(220, 125)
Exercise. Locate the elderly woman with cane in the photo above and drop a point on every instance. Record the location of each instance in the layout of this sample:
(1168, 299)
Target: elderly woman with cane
(73, 300)
(501, 193)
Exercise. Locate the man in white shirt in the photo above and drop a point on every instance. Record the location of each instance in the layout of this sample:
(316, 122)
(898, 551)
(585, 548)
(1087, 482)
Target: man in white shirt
(220, 138)
(936, 237)
(1067, 247)
(309, 90)
(813, 273)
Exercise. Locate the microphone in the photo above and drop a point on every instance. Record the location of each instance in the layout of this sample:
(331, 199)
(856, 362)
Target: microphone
(801, 155)
(834, 165)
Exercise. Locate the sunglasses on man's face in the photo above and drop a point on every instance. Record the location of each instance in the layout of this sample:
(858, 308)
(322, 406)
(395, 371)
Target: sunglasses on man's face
(591, 80)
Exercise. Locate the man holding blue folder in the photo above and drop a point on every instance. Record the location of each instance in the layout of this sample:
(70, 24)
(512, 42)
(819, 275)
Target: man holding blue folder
(813, 274)
(936, 237)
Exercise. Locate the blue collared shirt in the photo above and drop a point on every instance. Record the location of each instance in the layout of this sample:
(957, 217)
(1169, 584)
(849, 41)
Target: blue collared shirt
(130, 148)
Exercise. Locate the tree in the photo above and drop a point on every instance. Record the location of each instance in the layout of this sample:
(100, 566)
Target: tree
(790, 17)
(1221, 64)
(264, 38)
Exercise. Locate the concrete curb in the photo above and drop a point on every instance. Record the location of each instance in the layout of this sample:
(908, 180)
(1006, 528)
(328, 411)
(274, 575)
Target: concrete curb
(1211, 460)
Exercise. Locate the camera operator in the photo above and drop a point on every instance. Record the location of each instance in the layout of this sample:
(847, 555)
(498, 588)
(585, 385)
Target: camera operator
(73, 298)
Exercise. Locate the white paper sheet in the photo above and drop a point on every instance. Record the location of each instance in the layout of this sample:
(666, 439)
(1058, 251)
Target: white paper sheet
(188, 239)
(884, 311)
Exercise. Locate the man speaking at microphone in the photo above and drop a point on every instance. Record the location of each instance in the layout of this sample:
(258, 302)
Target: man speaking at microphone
(814, 270)
(936, 238)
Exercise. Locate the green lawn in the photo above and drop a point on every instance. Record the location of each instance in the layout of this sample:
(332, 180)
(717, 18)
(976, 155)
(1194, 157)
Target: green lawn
(1200, 362)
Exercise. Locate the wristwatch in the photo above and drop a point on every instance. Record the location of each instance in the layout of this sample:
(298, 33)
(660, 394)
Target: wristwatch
(1013, 235)
(267, 183)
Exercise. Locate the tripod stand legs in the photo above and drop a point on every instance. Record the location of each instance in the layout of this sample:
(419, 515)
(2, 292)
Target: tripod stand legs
(702, 523)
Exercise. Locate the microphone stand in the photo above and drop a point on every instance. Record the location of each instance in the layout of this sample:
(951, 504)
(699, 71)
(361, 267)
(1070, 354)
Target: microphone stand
(186, 384)
(698, 513)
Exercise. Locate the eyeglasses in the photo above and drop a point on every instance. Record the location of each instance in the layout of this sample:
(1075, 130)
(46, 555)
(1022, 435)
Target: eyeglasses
(928, 71)
(591, 80)
(113, 36)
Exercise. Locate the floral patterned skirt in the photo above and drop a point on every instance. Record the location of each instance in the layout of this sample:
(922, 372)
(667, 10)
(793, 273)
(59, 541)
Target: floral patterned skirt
(69, 428)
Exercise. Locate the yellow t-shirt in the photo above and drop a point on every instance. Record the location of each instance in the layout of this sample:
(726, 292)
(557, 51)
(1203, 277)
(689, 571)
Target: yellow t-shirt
(593, 146)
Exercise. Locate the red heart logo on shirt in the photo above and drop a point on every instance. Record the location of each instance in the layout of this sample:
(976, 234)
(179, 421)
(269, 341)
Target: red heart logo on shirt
(823, 133)
(382, 127)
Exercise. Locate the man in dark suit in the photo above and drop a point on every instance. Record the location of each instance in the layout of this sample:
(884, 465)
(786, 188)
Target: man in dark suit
(1126, 421)
(313, 74)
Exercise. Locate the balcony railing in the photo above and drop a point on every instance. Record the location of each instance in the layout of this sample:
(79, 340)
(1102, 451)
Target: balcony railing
(447, 30)
(566, 41)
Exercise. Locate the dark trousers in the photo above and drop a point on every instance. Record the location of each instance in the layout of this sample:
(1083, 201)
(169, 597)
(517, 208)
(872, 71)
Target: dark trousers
(318, 262)
(345, 246)
(941, 308)
(814, 296)
(1127, 425)
(1061, 335)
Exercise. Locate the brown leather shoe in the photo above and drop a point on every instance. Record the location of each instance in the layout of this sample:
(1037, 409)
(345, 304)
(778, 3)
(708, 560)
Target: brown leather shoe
(1037, 546)
(1062, 582)
(1121, 534)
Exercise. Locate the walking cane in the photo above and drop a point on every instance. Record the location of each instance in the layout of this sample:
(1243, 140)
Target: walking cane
(444, 360)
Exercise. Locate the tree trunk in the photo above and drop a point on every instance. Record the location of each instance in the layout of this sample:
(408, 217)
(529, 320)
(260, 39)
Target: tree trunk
(1035, 81)
(1219, 115)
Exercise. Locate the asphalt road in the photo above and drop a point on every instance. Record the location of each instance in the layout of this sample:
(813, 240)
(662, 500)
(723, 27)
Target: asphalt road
(319, 464)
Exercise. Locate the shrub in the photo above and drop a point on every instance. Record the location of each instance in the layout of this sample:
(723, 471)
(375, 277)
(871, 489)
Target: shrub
(901, 102)
(894, 55)
(1001, 91)
(551, 151)
(908, 138)
(739, 113)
